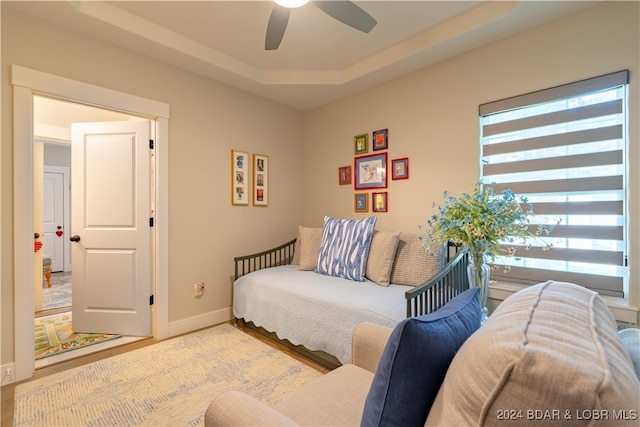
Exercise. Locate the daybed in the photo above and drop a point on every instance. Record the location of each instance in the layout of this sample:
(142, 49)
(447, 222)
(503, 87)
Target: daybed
(549, 355)
(285, 292)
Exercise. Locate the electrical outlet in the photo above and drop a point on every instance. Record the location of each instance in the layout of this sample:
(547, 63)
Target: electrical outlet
(7, 374)
(199, 288)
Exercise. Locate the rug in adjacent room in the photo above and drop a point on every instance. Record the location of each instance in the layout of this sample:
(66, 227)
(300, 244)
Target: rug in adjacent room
(54, 335)
(170, 383)
(60, 292)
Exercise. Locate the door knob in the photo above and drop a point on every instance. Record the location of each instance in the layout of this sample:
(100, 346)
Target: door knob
(74, 238)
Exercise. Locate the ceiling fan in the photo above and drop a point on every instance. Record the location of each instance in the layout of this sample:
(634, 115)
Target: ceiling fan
(346, 12)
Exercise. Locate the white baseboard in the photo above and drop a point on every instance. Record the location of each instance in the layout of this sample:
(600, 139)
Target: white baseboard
(8, 373)
(201, 321)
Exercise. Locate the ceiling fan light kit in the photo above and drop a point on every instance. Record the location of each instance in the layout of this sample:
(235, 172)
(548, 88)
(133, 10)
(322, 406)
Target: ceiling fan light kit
(291, 4)
(345, 11)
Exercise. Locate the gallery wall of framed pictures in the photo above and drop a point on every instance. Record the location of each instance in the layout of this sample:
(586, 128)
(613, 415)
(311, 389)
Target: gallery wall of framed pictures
(370, 171)
(242, 189)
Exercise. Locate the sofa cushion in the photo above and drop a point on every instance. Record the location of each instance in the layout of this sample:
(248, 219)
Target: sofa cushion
(630, 339)
(413, 266)
(547, 354)
(415, 361)
(381, 256)
(309, 246)
(344, 248)
(334, 399)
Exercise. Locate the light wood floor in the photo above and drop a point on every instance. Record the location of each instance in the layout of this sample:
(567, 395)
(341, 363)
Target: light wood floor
(8, 390)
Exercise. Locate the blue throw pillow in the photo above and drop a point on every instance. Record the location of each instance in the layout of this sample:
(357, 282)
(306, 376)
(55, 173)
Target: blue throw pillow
(344, 248)
(415, 361)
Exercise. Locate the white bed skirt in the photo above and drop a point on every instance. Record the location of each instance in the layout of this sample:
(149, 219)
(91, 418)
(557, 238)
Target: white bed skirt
(317, 311)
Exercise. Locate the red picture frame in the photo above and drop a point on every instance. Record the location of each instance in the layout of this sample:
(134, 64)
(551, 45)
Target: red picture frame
(379, 202)
(370, 171)
(400, 168)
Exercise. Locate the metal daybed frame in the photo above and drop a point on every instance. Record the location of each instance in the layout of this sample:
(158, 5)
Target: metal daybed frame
(448, 282)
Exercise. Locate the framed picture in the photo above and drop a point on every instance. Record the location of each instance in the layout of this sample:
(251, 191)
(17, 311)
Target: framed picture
(344, 175)
(400, 168)
(380, 140)
(379, 202)
(361, 202)
(239, 177)
(370, 171)
(260, 180)
(361, 143)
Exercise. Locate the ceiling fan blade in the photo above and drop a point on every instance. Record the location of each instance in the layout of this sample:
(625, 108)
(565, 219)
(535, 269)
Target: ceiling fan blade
(348, 13)
(276, 27)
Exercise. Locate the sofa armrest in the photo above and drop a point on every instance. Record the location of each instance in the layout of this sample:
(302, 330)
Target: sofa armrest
(234, 408)
(368, 343)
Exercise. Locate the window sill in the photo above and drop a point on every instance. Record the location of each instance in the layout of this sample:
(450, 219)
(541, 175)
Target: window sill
(620, 307)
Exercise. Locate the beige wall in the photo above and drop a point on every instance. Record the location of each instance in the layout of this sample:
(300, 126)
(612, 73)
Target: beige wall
(207, 120)
(432, 116)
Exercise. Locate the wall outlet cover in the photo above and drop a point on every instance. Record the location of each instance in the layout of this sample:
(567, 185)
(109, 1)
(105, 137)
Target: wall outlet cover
(199, 289)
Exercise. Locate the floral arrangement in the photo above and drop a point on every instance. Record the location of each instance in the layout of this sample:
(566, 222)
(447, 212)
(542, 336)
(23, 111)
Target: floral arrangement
(481, 222)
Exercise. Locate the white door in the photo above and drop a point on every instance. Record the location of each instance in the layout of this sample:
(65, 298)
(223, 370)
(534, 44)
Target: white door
(53, 219)
(110, 227)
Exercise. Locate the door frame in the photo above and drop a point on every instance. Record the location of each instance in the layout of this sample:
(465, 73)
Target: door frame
(26, 83)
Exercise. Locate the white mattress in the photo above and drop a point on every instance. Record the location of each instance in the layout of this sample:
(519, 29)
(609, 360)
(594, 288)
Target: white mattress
(317, 311)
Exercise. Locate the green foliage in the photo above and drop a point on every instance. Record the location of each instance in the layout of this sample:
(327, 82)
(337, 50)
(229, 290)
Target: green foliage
(483, 222)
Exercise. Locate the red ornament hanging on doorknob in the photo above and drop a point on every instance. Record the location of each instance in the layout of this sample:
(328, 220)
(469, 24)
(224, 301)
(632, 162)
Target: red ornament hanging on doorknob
(59, 232)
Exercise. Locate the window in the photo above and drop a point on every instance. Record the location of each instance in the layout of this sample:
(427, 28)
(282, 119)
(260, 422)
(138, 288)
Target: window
(564, 149)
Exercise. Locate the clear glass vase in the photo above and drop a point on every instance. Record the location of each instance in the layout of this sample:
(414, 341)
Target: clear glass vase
(480, 277)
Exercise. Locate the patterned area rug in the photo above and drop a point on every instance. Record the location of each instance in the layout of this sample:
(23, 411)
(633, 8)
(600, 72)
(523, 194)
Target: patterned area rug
(54, 335)
(59, 294)
(170, 383)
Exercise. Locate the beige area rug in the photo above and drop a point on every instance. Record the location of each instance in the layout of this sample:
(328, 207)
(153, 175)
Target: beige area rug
(166, 384)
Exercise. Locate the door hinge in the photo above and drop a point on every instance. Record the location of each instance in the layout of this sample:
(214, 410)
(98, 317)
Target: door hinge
(151, 144)
(151, 222)
(151, 300)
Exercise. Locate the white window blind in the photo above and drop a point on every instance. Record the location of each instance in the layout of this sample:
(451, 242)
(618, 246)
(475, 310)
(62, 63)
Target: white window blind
(565, 149)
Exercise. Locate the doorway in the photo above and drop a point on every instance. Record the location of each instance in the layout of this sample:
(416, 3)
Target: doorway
(54, 143)
(56, 213)
(27, 83)
(55, 295)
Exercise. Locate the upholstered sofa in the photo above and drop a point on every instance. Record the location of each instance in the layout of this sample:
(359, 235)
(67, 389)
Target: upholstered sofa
(550, 354)
(312, 292)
